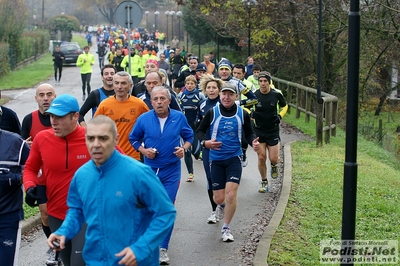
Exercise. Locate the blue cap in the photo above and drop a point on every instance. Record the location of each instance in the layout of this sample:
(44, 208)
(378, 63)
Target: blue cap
(201, 67)
(63, 105)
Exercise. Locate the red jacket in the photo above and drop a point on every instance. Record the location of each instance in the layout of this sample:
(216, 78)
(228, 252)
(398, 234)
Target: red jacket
(58, 158)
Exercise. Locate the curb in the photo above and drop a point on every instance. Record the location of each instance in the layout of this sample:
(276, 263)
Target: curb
(28, 224)
(261, 256)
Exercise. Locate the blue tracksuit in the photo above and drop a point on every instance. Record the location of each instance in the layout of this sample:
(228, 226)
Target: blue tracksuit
(13, 154)
(115, 202)
(166, 164)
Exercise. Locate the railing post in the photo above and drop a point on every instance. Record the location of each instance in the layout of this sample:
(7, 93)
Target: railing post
(328, 121)
(289, 96)
(308, 106)
(298, 102)
(319, 121)
(334, 118)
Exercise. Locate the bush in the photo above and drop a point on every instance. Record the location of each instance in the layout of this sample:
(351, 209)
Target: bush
(4, 59)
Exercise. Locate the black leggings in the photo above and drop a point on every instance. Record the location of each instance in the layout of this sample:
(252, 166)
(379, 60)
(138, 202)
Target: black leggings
(71, 255)
(59, 68)
(86, 82)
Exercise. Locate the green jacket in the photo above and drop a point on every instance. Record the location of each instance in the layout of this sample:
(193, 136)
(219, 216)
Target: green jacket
(138, 63)
(86, 67)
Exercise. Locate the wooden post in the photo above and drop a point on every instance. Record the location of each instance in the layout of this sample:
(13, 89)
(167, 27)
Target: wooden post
(334, 118)
(328, 122)
(319, 122)
(308, 106)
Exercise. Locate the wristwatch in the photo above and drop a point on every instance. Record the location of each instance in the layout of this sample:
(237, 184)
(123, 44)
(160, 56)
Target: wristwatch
(203, 143)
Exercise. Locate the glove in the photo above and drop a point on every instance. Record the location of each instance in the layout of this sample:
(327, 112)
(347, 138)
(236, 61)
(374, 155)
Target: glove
(277, 119)
(31, 197)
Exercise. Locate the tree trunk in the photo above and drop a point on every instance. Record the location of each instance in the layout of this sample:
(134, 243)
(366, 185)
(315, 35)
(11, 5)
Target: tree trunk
(380, 105)
(382, 101)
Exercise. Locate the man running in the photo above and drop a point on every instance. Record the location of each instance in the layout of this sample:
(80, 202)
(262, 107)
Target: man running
(226, 122)
(266, 126)
(59, 152)
(32, 124)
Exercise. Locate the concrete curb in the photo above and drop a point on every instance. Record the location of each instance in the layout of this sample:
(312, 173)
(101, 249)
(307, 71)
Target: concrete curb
(31, 222)
(260, 258)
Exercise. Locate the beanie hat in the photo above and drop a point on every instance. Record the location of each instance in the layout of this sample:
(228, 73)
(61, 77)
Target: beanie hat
(265, 74)
(225, 63)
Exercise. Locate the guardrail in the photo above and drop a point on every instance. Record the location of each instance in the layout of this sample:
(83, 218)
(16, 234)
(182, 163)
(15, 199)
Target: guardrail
(304, 100)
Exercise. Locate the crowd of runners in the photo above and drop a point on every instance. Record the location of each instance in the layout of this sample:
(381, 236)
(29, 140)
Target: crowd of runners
(106, 187)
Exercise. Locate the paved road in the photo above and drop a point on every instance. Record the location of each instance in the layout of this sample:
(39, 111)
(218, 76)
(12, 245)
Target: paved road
(194, 242)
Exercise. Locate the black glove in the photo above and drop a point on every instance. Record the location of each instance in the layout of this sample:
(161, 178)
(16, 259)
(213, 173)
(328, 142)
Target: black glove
(31, 197)
(251, 113)
(276, 119)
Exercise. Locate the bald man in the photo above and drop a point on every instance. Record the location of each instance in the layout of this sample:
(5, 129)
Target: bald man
(37, 120)
(32, 124)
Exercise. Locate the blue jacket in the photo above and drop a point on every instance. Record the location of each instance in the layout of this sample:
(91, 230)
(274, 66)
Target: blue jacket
(124, 204)
(147, 129)
(191, 104)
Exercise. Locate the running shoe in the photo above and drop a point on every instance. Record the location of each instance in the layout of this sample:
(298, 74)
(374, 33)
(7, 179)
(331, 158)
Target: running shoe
(212, 219)
(264, 186)
(53, 259)
(200, 157)
(164, 259)
(190, 178)
(274, 171)
(226, 235)
(83, 97)
(219, 212)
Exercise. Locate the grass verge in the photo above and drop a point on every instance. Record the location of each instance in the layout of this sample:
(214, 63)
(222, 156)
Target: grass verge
(314, 210)
(31, 75)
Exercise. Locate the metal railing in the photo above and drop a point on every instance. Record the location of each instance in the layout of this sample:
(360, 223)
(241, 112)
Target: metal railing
(304, 100)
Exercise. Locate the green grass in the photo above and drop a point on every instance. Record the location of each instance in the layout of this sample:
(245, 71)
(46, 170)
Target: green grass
(315, 203)
(388, 138)
(31, 75)
(30, 211)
